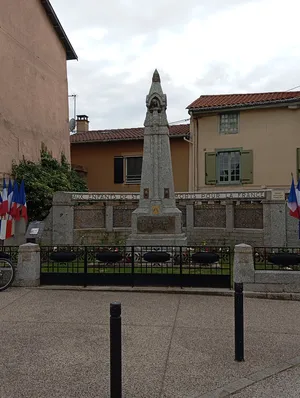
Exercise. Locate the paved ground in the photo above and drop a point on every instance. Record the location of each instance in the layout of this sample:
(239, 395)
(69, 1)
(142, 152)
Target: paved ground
(55, 343)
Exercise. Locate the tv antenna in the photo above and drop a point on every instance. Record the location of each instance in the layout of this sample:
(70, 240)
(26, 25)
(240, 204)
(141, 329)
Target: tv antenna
(72, 122)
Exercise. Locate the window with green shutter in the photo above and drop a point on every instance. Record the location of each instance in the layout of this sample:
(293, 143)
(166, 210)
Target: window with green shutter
(247, 167)
(230, 167)
(210, 168)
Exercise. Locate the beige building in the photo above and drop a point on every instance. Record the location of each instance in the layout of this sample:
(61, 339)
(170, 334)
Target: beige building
(33, 80)
(248, 141)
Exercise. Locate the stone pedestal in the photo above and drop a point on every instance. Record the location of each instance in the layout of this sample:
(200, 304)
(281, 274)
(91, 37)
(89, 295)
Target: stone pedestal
(28, 268)
(243, 268)
(157, 221)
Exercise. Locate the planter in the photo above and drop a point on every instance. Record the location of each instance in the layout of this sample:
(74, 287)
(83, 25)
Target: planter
(109, 257)
(205, 258)
(156, 257)
(284, 259)
(63, 257)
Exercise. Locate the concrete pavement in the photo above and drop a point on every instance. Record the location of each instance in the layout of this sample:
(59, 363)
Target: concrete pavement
(55, 343)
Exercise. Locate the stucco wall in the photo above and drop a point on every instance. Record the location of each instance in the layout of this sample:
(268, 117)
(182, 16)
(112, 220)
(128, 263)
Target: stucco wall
(33, 81)
(98, 160)
(272, 134)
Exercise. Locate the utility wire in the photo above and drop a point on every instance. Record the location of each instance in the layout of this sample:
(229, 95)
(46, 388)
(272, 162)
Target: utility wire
(293, 88)
(178, 121)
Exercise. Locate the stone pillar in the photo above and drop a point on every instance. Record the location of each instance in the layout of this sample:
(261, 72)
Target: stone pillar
(275, 228)
(229, 216)
(109, 218)
(28, 269)
(243, 266)
(189, 218)
(63, 219)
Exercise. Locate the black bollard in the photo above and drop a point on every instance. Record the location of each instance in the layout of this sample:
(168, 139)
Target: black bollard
(239, 321)
(115, 351)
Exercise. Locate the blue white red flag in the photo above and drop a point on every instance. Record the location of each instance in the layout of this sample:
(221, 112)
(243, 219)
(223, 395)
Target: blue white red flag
(22, 201)
(4, 207)
(293, 200)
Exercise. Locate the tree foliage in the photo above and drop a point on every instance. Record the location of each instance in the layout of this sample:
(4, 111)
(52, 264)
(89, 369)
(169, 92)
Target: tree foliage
(43, 179)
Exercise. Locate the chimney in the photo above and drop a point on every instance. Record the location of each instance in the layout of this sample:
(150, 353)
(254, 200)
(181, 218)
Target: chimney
(82, 123)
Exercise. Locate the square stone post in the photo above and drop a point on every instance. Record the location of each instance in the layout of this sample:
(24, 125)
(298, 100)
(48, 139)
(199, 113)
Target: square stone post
(63, 219)
(275, 223)
(109, 218)
(229, 216)
(28, 269)
(243, 266)
(189, 218)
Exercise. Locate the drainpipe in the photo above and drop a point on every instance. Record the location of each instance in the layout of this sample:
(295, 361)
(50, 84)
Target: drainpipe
(191, 162)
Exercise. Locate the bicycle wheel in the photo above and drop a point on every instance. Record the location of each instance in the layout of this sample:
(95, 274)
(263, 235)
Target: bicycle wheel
(7, 273)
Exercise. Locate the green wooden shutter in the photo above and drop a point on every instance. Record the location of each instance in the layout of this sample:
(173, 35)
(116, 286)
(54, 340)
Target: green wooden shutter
(118, 170)
(247, 167)
(298, 164)
(210, 168)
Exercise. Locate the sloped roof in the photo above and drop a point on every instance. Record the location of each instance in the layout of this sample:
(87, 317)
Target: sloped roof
(179, 130)
(70, 52)
(209, 102)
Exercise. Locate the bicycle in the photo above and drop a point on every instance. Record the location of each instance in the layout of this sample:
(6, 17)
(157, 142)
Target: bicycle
(7, 271)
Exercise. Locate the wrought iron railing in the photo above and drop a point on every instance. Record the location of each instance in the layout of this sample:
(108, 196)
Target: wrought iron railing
(124, 259)
(276, 258)
(11, 252)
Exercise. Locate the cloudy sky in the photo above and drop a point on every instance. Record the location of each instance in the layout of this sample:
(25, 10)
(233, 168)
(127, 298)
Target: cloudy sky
(199, 47)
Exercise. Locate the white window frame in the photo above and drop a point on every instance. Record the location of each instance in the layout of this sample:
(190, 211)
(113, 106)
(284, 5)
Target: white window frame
(218, 167)
(136, 181)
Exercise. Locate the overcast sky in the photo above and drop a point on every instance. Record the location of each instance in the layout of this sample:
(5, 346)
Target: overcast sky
(198, 46)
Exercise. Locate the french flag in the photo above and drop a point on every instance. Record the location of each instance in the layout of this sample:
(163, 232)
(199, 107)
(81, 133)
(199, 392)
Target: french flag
(292, 203)
(9, 195)
(4, 207)
(15, 204)
(22, 201)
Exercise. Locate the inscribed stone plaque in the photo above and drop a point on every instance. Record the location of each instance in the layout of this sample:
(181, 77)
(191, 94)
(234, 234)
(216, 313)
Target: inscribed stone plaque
(122, 216)
(156, 225)
(278, 195)
(248, 215)
(89, 217)
(210, 216)
(35, 230)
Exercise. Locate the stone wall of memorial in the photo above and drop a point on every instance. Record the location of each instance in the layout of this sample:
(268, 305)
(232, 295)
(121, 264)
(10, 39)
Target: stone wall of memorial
(218, 218)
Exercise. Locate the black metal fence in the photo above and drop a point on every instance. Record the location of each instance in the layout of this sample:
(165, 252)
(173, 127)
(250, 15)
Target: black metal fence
(131, 266)
(10, 252)
(276, 258)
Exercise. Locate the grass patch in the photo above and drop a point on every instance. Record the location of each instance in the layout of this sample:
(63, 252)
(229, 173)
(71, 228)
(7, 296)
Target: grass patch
(98, 269)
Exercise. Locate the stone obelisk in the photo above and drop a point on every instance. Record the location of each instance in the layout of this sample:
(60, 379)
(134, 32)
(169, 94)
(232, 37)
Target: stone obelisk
(157, 220)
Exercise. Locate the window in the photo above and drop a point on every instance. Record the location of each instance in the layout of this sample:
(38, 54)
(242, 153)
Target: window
(228, 165)
(229, 123)
(133, 169)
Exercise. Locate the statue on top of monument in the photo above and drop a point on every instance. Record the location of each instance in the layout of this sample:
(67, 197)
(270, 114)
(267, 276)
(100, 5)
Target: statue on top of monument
(156, 103)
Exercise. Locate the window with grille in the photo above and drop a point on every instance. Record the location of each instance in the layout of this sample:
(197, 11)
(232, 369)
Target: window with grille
(229, 123)
(134, 169)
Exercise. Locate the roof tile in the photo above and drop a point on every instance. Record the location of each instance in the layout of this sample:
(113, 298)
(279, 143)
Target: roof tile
(178, 130)
(231, 100)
